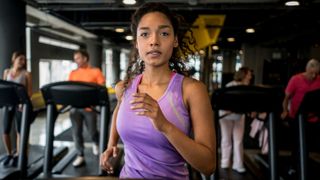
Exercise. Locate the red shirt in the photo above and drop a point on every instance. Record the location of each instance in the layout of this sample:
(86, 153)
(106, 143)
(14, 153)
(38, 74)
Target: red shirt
(297, 87)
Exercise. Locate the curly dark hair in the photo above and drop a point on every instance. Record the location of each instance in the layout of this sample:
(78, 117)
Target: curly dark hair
(181, 30)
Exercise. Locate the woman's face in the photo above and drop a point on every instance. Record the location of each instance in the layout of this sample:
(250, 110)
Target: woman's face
(155, 39)
(248, 77)
(19, 62)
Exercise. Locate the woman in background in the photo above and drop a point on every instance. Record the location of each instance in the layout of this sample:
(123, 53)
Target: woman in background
(232, 128)
(16, 73)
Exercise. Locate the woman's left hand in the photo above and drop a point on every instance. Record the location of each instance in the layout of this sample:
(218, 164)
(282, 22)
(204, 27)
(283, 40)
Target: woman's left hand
(145, 105)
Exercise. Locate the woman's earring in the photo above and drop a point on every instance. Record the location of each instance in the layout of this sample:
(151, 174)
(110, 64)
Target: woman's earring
(171, 65)
(140, 64)
(139, 60)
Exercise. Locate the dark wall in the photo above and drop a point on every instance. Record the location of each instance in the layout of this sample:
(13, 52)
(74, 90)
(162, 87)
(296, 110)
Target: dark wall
(94, 48)
(44, 51)
(275, 72)
(12, 30)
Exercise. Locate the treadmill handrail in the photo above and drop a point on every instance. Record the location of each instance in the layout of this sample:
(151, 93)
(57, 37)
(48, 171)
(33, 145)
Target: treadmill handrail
(242, 99)
(308, 103)
(69, 92)
(12, 94)
(307, 106)
(78, 95)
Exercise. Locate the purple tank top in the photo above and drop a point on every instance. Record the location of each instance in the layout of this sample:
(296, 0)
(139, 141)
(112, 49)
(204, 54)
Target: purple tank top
(148, 154)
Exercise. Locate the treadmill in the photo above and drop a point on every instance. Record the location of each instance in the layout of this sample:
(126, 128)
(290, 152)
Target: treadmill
(59, 98)
(307, 106)
(29, 165)
(245, 99)
(12, 94)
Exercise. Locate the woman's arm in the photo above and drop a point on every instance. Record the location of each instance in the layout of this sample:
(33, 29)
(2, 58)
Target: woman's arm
(112, 149)
(114, 136)
(199, 152)
(285, 105)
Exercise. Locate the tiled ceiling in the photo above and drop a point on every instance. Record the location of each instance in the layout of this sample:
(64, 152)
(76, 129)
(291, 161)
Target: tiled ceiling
(276, 25)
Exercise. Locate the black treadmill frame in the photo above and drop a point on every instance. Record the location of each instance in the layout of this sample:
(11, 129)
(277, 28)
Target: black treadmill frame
(246, 99)
(79, 95)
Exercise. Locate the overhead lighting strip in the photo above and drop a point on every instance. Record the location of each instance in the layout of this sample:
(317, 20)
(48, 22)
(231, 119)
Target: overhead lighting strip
(57, 43)
(56, 22)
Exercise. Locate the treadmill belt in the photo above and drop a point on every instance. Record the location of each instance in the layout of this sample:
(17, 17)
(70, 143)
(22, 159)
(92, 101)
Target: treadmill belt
(284, 165)
(34, 155)
(67, 135)
(90, 168)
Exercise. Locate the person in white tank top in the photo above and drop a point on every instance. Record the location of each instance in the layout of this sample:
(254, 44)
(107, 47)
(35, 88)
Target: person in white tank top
(16, 73)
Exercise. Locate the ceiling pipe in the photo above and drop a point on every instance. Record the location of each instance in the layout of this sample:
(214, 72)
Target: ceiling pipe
(57, 23)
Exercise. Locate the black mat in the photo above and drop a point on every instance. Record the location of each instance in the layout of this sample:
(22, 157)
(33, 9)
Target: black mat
(284, 165)
(90, 168)
(67, 135)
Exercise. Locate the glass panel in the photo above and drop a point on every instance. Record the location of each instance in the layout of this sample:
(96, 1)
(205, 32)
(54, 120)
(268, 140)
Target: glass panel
(193, 64)
(109, 73)
(52, 70)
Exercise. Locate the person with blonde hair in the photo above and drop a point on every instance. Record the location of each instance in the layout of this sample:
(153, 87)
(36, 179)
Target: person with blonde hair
(16, 73)
(232, 128)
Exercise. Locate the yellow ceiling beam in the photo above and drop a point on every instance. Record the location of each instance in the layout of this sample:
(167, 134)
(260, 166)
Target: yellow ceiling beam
(206, 29)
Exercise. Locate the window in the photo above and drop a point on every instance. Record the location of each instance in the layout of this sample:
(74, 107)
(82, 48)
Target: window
(193, 65)
(217, 69)
(124, 61)
(52, 70)
(112, 70)
(109, 72)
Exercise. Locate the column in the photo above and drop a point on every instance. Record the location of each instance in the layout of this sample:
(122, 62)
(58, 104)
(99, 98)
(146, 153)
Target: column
(94, 48)
(12, 30)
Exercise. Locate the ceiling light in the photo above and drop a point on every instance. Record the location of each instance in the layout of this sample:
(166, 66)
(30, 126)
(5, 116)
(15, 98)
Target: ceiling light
(231, 39)
(292, 3)
(129, 2)
(193, 2)
(250, 30)
(220, 58)
(129, 37)
(202, 52)
(119, 30)
(215, 47)
(58, 43)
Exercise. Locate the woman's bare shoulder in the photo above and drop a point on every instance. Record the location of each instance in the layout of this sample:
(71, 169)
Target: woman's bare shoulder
(192, 84)
(193, 89)
(5, 73)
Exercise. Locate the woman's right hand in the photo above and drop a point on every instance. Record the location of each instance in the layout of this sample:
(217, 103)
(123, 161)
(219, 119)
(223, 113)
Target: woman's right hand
(284, 114)
(105, 156)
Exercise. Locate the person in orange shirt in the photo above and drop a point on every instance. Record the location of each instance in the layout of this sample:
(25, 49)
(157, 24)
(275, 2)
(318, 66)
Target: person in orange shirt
(78, 116)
